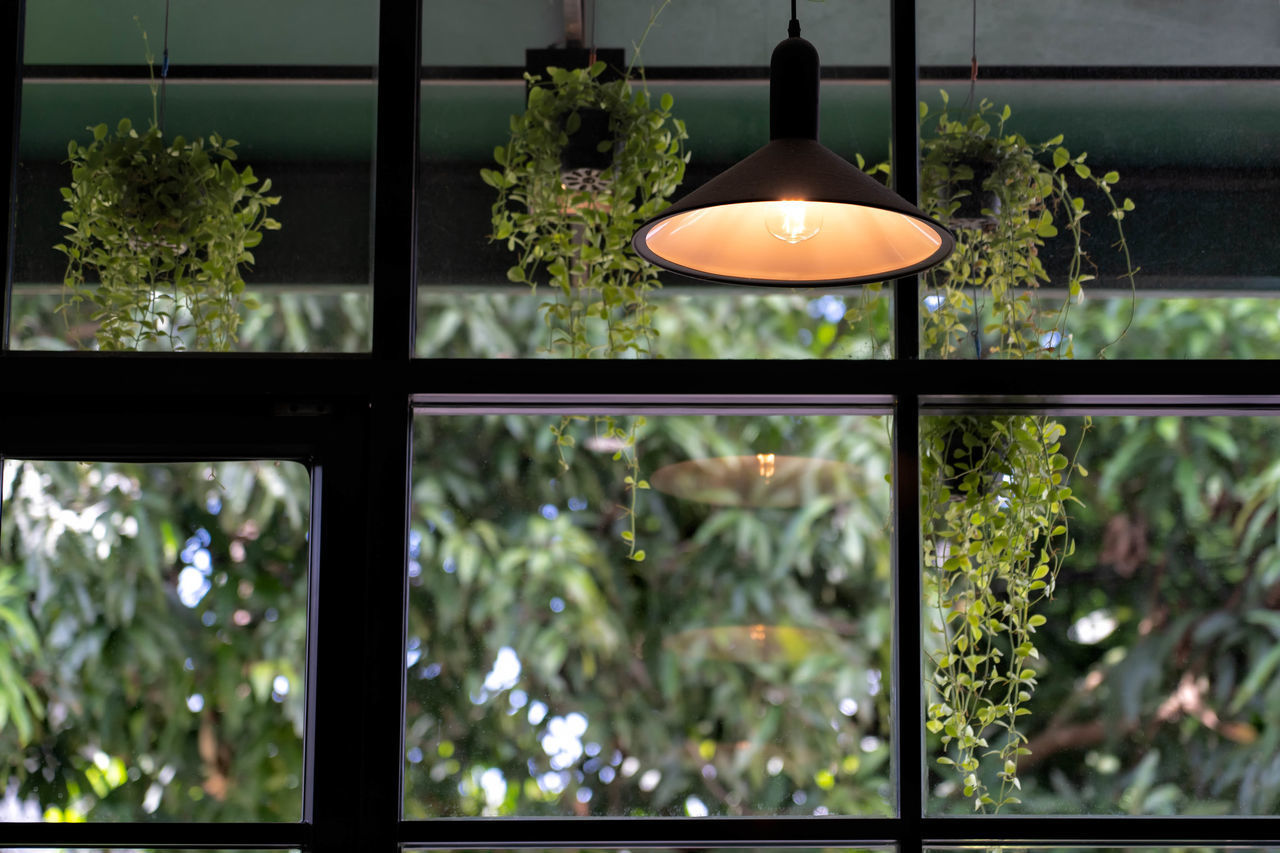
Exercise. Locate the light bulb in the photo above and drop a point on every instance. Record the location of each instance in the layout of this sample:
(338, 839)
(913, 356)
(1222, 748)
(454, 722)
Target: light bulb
(767, 465)
(793, 221)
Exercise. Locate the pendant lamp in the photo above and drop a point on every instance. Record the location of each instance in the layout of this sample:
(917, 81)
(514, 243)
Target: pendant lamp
(794, 213)
(762, 480)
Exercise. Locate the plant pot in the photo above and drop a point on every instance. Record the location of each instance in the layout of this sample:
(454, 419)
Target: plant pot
(973, 198)
(583, 165)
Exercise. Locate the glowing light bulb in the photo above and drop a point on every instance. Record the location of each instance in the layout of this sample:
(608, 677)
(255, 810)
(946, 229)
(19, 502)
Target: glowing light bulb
(767, 464)
(793, 221)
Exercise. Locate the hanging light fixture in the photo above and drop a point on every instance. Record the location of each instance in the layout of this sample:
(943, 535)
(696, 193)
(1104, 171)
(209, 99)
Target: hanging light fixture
(794, 213)
(762, 480)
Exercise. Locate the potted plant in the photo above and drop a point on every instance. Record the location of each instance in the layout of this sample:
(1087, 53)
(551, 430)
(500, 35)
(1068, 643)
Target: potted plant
(1005, 197)
(996, 489)
(166, 227)
(569, 222)
(586, 163)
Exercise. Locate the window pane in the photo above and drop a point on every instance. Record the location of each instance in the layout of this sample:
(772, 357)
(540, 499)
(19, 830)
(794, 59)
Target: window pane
(725, 849)
(1115, 849)
(468, 307)
(1146, 659)
(1175, 108)
(296, 91)
(740, 667)
(155, 618)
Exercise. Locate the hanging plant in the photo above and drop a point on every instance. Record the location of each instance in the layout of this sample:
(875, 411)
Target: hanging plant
(995, 530)
(587, 162)
(1006, 198)
(166, 227)
(570, 226)
(996, 489)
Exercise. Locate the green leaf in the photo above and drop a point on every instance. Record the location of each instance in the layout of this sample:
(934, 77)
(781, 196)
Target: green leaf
(1259, 675)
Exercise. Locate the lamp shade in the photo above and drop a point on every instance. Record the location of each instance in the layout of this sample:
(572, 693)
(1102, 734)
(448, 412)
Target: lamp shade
(794, 213)
(762, 480)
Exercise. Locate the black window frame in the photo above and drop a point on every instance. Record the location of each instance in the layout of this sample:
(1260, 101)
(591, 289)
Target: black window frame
(349, 419)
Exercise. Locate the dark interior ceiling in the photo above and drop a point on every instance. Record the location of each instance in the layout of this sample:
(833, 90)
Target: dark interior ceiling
(1182, 96)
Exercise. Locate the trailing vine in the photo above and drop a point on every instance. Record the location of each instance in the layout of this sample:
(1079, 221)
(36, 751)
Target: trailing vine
(575, 235)
(624, 439)
(166, 226)
(996, 489)
(995, 533)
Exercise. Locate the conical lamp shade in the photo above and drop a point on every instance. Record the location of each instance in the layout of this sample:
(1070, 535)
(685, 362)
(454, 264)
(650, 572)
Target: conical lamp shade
(742, 226)
(794, 213)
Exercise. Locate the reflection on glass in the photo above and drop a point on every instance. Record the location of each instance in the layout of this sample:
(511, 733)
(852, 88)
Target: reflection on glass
(761, 479)
(1155, 658)
(153, 617)
(572, 652)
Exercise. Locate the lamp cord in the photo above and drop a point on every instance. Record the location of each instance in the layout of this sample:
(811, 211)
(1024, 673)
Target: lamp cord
(793, 28)
(164, 63)
(973, 58)
(590, 5)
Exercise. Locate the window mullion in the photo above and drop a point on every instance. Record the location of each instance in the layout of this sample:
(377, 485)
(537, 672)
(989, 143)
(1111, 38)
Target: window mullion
(395, 232)
(10, 102)
(908, 735)
(905, 159)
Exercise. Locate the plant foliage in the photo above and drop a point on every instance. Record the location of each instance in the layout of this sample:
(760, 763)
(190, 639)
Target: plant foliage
(1033, 195)
(996, 489)
(995, 533)
(166, 227)
(579, 241)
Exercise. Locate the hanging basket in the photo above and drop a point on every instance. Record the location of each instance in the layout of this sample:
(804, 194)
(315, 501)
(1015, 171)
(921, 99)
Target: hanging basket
(587, 157)
(979, 208)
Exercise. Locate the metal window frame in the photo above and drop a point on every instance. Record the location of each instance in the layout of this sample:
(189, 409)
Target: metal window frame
(349, 418)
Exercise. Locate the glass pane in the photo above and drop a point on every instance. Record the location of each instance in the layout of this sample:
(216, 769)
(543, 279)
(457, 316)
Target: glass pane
(154, 617)
(294, 88)
(700, 849)
(1141, 635)
(1176, 109)
(468, 305)
(1116, 849)
(719, 646)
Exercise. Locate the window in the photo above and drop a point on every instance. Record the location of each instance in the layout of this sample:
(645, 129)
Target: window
(425, 464)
